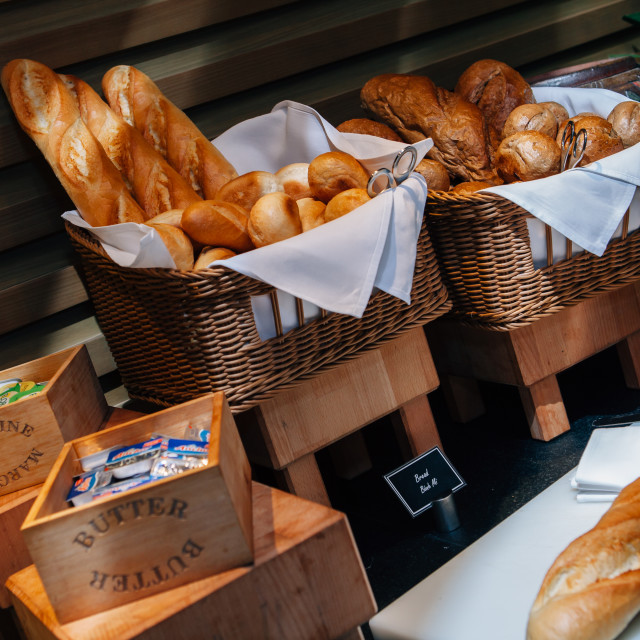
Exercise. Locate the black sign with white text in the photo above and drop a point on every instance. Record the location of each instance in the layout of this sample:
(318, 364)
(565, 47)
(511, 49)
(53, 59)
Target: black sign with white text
(424, 479)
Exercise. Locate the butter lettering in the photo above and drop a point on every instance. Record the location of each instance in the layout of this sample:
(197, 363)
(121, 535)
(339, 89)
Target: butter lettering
(177, 509)
(98, 581)
(192, 549)
(120, 582)
(84, 539)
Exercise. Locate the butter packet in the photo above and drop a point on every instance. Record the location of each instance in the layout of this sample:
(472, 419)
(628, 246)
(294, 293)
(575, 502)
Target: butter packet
(135, 459)
(120, 487)
(197, 433)
(85, 485)
(180, 455)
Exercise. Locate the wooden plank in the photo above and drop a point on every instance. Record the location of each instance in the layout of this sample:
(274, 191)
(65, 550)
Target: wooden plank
(544, 409)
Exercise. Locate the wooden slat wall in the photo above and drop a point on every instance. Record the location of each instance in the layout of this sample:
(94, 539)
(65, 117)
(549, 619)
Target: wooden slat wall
(225, 61)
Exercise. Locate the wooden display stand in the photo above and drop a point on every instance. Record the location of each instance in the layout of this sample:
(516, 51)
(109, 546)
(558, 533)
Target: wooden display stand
(13, 510)
(285, 432)
(530, 357)
(307, 581)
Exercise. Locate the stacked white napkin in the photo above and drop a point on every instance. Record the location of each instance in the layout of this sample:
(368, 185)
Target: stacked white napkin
(610, 461)
(584, 204)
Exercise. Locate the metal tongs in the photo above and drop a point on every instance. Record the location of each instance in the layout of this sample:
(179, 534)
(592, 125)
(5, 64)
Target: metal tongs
(573, 146)
(403, 165)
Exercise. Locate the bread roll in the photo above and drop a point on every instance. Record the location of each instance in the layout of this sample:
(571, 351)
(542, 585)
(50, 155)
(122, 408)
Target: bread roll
(245, 190)
(333, 172)
(369, 127)
(135, 97)
(602, 140)
(434, 173)
(311, 213)
(345, 202)
(465, 188)
(178, 244)
(531, 117)
(527, 155)
(155, 184)
(294, 179)
(273, 218)
(417, 109)
(217, 223)
(172, 217)
(210, 254)
(557, 109)
(48, 113)
(496, 88)
(592, 590)
(625, 119)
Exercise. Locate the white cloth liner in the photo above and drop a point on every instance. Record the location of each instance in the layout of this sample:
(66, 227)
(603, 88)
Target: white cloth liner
(584, 204)
(335, 266)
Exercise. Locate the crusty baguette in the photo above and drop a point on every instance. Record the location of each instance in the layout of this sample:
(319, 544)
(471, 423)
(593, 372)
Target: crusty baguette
(140, 102)
(592, 590)
(156, 185)
(47, 111)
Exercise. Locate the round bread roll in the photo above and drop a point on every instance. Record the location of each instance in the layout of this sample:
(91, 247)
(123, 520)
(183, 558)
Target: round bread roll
(333, 172)
(172, 217)
(217, 223)
(625, 118)
(527, 155)
(434, 173)
(602, 140)
(209, 254)
(247, 188)
(531, 117)
(496, 88)
(465, 188)
(557, 109)
(311, 213)
(294, 179)
(345, 202)
(369, 127)
(273, 218)
(177, 243)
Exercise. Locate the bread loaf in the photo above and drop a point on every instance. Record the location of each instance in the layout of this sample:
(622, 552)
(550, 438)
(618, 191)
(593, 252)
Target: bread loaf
(531, 117)
(210, 254)
(178, 245)
(333, 172)
(417, 109)
(245, 190)
(47, 111)
(625, 119)
(155, 184)
(294, 179)
(592, 590)
(135, 97)
(345, 202)
(527, 155)
(434, 173)
(369, 127)
(273, 218)
(217, 223)
(311, 212)
(602, 140)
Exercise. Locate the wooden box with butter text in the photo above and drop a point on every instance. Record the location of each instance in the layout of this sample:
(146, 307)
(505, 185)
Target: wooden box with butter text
(34, 429)
(149, 539)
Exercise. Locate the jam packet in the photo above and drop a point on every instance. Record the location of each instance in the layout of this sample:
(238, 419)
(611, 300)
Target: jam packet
(86, 484)
(135, 459)
(18, 390)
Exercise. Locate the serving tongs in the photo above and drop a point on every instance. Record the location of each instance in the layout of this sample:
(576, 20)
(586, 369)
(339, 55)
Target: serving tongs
(573, 146)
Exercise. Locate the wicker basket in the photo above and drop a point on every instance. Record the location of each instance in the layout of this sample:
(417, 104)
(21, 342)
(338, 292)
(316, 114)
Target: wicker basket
(176, 335)
(483, 248)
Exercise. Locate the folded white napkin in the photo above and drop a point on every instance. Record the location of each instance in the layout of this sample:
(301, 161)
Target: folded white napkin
(610, 461)
(584, 204)
(335, 266)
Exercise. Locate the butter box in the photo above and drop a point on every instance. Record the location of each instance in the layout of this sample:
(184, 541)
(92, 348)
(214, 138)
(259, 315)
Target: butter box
(154, 537)
(34, 429)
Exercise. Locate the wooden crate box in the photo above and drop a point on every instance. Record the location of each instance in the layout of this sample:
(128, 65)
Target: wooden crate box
(34, 429)
(158, 536)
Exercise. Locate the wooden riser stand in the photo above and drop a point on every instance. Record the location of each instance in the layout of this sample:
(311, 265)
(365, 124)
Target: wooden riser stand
(530, 357)
(285, 432)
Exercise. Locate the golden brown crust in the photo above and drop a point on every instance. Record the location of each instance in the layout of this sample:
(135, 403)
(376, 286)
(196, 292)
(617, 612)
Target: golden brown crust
(245, 190)
(209, 254)
(417, 109)
(625, 119)
(531, 117)
(135, 97)
(527, 155)
(369, 127)
(178, 244)
(273, 218)
(295, 180)
(602, 140)
(217, 223)
(496, 88)
(333, 172)
(156, 185)
(465, 188)
(345, 202)
(434, 173)
(311, 213)
(558, 110)
(48, 113)
(172, 216)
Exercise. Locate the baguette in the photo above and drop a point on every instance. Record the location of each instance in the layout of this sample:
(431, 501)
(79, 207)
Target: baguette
(135, 97)
(46, 110)
(592, 590)
(155, 184)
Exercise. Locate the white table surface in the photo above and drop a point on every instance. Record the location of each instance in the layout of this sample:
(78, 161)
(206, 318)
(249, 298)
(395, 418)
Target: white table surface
(486, 591)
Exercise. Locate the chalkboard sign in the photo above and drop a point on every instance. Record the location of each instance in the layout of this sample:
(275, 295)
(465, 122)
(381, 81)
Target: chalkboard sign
(424, 479)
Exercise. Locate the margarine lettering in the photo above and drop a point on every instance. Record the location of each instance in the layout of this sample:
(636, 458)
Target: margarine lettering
(127, 511)
(24, 467)
(151, 577)
(14, 426)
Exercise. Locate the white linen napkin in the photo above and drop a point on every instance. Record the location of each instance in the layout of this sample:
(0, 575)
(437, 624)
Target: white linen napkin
(584, 204)
(335, 266)
(610, 461)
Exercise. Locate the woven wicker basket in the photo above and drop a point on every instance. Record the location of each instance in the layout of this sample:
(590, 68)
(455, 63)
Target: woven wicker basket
(176, 335)
(483, 248)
